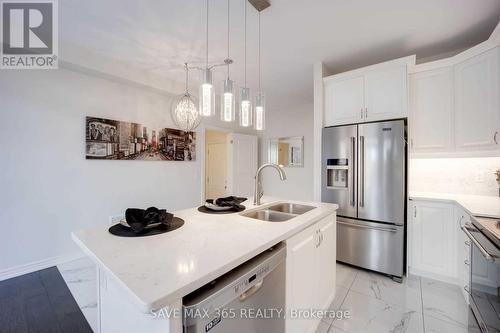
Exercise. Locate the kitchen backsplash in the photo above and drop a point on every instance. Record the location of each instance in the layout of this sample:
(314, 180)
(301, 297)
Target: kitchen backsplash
(455, 175)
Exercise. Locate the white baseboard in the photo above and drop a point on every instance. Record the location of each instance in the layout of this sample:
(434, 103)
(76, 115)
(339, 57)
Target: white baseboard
(434, 276)
(38, 265)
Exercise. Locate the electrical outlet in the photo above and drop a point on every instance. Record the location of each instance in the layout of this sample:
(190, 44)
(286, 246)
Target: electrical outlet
(114, 219)
(479, 177)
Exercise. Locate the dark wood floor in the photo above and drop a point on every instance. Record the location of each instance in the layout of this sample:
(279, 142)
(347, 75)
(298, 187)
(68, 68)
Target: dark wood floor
(39, 302)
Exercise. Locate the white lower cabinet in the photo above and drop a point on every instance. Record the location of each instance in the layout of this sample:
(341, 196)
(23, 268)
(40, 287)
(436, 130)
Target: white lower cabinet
(439, 249)
(310, 273)
(432, 240)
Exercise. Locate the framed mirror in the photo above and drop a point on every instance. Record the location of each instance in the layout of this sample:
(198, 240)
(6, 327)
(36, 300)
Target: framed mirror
(288, 151)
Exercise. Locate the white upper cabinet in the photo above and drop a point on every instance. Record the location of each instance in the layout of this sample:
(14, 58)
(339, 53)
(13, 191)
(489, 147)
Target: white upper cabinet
(455, 105)
(477, 106)
(345, 100)
(377, 92)
(431, 116)
(385, 93)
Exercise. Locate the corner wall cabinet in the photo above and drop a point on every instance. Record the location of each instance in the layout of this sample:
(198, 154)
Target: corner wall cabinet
(377, 92)
(477, 102)
(455, 108)
(431, 111)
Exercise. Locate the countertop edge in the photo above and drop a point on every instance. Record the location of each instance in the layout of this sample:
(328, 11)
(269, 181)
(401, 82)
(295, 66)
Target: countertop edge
(164, 301)
(441, 197)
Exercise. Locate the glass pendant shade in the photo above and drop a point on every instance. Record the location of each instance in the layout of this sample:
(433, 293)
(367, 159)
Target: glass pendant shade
(260, 112)
(207, 94)
(184, 112)
(245, 108)
(227, 111)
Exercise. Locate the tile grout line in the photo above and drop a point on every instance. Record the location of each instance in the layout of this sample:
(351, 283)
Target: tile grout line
(344, 298)
(422, 302)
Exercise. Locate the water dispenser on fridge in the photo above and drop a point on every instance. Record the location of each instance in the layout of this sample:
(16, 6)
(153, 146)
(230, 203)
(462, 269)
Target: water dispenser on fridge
(337, 173)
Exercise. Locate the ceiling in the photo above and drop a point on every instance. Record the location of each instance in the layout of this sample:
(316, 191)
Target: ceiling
(157, 36)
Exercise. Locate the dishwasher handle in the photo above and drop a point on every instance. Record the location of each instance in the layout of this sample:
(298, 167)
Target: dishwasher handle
(251, 291)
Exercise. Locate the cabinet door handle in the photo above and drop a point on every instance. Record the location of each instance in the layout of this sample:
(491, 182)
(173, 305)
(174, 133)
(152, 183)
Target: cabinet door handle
(495, 137)
(415, 211)
(467, 262)
(317, 239)
(366, 113)
(321, 237)
(467, 243)
(361, 113)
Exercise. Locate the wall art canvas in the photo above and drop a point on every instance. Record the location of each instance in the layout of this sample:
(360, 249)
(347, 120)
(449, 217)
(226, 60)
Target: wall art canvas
(108, 139)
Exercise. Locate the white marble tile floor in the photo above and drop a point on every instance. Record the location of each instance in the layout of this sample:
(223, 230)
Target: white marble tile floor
(81, 277)
(377, 304)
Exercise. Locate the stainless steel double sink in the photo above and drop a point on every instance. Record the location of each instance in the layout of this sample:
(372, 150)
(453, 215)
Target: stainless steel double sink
(278, 213)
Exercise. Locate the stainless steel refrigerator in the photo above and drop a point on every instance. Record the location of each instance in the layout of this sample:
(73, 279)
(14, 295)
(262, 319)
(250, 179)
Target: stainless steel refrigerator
(364, 172)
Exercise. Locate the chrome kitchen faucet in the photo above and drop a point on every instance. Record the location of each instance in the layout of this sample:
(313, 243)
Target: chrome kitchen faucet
(258, 185)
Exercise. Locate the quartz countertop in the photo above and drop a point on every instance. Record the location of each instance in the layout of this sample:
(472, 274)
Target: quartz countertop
(158, 270)
(476, 205)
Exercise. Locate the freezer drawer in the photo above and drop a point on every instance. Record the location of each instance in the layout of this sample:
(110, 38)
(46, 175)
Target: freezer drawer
(375, 246)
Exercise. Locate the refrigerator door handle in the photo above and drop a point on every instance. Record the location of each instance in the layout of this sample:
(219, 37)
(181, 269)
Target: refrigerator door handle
(367, 227)
(362, 171)
(353, 177)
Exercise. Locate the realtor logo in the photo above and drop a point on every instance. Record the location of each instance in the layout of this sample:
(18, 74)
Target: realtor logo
(29, 34)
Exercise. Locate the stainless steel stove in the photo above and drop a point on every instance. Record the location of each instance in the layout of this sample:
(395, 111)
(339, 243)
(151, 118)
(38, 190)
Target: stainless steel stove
(484, 282)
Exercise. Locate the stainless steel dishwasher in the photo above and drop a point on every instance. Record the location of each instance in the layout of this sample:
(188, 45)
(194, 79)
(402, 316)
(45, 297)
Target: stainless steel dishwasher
(248, 299)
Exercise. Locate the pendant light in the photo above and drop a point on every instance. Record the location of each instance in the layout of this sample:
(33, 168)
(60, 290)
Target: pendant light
(184, 112)
(260, 102)
(227, 97)
(207, 91)
(245, 98)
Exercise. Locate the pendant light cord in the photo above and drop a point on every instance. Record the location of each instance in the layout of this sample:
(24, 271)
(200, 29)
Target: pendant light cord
(187, 77)
(207, 39)
(228, 23)
(245, 56)
(259, 58)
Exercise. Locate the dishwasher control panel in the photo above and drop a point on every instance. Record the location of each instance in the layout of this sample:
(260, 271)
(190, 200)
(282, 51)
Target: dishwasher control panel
(256, 275)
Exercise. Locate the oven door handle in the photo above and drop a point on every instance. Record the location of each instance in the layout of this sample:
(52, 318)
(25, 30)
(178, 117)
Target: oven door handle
(485, 254)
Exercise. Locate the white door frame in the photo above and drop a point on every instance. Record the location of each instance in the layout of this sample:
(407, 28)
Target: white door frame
(203, 131)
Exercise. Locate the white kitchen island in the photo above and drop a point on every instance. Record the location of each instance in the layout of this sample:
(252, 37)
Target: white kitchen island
(142, 280)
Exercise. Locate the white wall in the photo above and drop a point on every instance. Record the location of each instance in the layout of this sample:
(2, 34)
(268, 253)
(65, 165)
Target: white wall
(455, 175)
(48, 187)
(295, 121)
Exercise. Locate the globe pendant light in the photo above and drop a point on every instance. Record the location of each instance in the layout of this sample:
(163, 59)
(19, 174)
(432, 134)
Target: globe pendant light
(260, 102)
(227, 97)
(184, 112)
(245, 98)
(207, 92)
